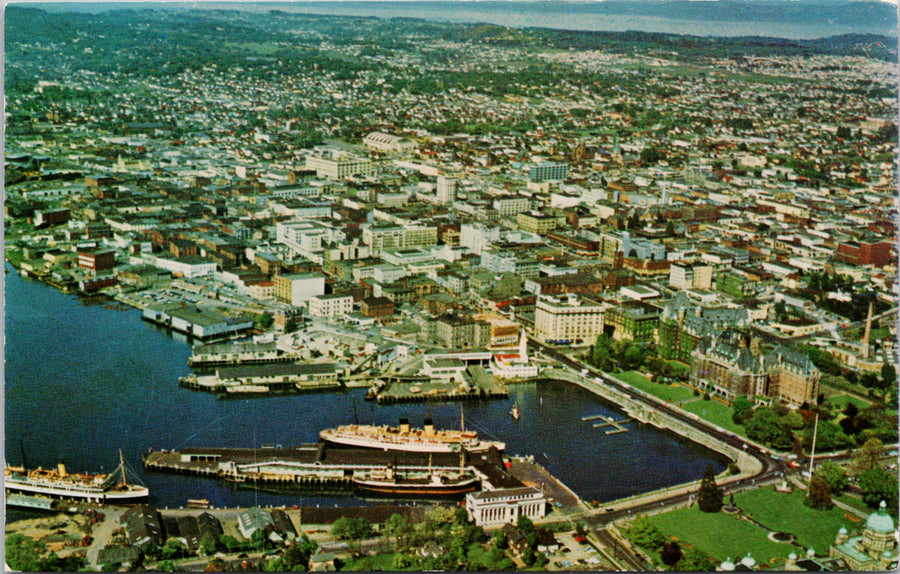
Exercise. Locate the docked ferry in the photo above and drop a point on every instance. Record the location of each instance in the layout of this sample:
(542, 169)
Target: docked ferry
(435, 483)
(405, 438)
(59, 483)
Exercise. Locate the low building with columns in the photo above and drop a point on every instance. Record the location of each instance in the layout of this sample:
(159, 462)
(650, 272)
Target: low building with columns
(497, 507)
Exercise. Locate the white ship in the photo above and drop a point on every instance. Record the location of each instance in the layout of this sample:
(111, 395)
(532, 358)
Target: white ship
(58, 483)
(409, 439)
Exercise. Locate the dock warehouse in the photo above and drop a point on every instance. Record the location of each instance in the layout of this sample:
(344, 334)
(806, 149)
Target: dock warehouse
(199, 322)
(283, 373)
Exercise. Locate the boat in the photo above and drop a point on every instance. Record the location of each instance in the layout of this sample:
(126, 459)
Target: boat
(514, 411)
(404, 438)
(59, 483)
(389, 481)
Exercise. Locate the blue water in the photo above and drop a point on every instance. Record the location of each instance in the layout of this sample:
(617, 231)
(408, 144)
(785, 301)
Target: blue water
(84, 380)
(797, 19)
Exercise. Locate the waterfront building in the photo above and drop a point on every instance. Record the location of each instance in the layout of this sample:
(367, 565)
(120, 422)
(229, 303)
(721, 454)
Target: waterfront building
(297, 289)
(330, 305)
(456, 331)
(491, 508)
(571, 318)
(188, 267)
(199, 322)
(96, 260)
(514, 365)
(875, 548)
(253, 520)
(726, 366)
(504, 333)
(143, 526)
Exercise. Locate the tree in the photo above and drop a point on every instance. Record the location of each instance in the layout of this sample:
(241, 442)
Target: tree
(670, 554)
(165, 566)
(24, 553)
(819, 495)
(742, 407)
(265, 320)
(709, 497)
(888, 375)
(695, 561)
(876, 485)
(867, 456)
(645, 533)
(208, 544)
(290, 326)
(833, 475)
(398, 527)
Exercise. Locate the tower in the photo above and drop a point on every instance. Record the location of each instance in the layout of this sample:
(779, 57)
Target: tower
(446, 189)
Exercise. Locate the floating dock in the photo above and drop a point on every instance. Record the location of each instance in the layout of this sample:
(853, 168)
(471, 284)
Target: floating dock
(609, 422)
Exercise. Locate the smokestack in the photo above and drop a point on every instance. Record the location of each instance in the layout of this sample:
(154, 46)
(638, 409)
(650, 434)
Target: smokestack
(61, 469)
(404, 425)
(429, 427)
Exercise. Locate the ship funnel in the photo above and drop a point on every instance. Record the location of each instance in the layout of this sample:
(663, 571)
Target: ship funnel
(429, 427)
(61, 469)
(404, 425)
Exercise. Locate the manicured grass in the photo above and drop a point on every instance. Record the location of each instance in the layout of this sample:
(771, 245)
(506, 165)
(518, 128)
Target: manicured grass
(841, 401)
(855, 502)
(378, 562)
(716, 413)
(786, 512)
(666, 392)
(721, 535)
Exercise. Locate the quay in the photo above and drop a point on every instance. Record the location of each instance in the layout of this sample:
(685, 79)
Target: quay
(323, 465)
(475, 383)
(277, 377)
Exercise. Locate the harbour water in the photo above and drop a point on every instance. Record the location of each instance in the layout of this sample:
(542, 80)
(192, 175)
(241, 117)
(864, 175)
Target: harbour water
(83, 380)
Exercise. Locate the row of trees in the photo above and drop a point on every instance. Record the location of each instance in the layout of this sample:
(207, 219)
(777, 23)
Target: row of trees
(609, 355)
(25, 554)
(875, 483)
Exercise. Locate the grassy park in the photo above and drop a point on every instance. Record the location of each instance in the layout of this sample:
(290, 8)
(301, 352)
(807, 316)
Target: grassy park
(667, 392)
(724, 536)
(717, 413)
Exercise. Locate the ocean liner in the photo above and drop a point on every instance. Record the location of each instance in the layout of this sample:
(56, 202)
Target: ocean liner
(59, 483)
(405, 438)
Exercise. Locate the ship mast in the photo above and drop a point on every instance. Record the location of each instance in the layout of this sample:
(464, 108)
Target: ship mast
(122, 468)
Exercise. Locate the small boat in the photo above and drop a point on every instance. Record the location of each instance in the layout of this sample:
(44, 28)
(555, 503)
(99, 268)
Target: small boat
(514, 411)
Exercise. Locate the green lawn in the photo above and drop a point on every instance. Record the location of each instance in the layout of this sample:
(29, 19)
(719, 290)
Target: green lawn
(378, 562)
(716, 413)
(672, 393)
(786, 512)
(855, 502)
(724, 536)
(721, 536)
(841, 401)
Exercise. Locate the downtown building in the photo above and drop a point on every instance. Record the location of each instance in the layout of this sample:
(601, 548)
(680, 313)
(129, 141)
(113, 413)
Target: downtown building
(570, 319)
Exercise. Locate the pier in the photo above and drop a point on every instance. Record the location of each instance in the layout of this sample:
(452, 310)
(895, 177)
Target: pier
(323, 466)
(617, 425)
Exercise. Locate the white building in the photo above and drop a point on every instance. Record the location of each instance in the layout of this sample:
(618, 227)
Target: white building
(299, 288)
(392, 237)
(570, 318)
(337, 164)
(305, 238)
(387, 143)
(446, 189)
(497, 507)
(330, 305)
(514, 365)
(684, 275)
(476, 237)
(188, 267)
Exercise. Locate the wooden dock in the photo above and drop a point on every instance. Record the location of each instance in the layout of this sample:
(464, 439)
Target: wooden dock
(610, 422)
